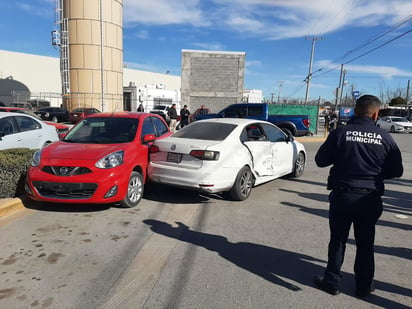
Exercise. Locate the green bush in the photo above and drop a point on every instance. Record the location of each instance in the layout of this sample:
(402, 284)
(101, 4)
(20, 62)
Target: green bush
(13, 170)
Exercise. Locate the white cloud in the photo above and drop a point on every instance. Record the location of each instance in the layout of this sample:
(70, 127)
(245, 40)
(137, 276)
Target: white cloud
(210, 46)
(270, 19)
(383, 71)
(142, 34)
(377, 70)
(38, 10)
(163, 12)
(253, 63)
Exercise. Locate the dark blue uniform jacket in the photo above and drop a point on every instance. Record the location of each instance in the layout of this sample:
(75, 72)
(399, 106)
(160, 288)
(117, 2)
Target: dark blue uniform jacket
(361, 154)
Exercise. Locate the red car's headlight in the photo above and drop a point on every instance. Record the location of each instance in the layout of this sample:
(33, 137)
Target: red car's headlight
(36, 158)
(111, 160)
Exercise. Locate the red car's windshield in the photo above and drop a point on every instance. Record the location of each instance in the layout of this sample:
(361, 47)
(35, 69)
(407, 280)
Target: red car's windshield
(103, 130)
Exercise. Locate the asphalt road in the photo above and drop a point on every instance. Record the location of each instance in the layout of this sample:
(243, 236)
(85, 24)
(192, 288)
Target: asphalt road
(179, 249)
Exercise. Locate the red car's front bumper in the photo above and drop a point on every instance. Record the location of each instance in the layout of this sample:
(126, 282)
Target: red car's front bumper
(51, 182)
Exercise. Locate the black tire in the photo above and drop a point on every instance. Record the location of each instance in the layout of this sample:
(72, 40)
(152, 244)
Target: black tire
(134, 192)
(54, 119)
(392, 129)
(378, 125)
(299, 165)
(243, 185)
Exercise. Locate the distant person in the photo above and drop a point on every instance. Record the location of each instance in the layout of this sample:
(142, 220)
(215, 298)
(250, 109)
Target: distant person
(172, 113)
(333, 119)
(184, 116)
(140, 108)
(326, 124)
(362, 157)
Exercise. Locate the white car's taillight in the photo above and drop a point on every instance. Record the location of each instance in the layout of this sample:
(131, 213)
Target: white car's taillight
(205, 154)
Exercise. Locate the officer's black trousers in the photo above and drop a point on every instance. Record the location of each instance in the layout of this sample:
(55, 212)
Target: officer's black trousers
(363, 209)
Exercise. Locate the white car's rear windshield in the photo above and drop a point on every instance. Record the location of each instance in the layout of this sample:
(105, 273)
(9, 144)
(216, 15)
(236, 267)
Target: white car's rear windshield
(206, 131)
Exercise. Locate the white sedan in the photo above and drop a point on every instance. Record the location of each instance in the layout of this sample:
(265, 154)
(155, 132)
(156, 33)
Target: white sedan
(394, 124)
(24, 131)
(218, 155)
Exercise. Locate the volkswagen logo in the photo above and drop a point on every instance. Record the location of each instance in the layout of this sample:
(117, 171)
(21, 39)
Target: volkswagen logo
(64, 170)
(173, 147)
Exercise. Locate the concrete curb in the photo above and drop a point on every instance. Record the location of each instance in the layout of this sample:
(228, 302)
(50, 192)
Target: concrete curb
(9, 206)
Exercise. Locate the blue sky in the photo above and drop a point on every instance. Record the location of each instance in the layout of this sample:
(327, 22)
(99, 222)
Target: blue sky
(275, 34)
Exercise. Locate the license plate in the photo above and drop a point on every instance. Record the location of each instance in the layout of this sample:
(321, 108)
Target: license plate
(174, 157)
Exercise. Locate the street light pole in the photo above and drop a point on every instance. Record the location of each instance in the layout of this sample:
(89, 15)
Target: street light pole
(314, 39)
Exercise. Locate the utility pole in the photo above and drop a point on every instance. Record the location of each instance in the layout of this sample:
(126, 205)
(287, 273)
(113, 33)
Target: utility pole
(280, 89)
(342, 83)
(314, 39)
(338, 95)
(407, 98)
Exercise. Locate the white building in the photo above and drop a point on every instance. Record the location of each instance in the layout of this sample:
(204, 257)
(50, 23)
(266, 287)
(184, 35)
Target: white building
(41, 74)
(252, 96)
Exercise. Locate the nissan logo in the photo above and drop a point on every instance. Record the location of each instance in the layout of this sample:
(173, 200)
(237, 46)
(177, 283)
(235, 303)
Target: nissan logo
(173, 147)
(64, 170)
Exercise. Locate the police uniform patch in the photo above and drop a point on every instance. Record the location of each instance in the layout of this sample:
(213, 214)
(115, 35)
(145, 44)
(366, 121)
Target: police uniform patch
(364, 137)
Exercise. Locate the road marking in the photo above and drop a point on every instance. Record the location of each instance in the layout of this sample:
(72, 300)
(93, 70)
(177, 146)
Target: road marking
(133, 289)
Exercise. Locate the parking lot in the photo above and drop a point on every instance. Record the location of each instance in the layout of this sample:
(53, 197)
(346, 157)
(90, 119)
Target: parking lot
(181, 249)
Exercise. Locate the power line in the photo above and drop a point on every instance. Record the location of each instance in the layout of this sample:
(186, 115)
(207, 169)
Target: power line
(296, 90)
(378, 36)
(368, 42)
(379, 46)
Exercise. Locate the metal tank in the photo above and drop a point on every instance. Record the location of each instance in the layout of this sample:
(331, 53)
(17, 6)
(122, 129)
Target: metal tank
(93, 57)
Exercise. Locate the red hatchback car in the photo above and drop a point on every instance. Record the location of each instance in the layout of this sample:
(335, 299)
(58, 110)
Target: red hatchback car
(82, 112)
(103, 159)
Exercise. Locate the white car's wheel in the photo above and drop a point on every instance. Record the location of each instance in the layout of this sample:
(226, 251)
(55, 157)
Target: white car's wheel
(299, 166)
(392, 129)
(243, 185)
(134, 191)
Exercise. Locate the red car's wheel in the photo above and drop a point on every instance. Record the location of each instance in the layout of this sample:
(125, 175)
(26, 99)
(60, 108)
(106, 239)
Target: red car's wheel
(134, 191)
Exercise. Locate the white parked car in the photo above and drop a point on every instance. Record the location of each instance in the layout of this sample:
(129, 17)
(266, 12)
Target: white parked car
(394, 124)
(162, 110)
(225, 154)
(24, 131)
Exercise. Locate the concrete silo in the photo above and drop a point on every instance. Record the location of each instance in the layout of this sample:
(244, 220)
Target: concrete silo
(92, 53)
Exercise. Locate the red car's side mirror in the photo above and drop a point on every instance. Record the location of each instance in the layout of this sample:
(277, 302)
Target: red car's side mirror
(148, 138)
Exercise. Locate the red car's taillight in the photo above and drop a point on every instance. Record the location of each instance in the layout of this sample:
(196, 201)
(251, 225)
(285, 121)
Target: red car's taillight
(205, 154)
(154, 149)
(306, 122)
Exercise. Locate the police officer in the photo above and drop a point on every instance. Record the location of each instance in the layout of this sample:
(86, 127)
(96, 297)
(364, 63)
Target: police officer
(184, 116)
(362, 156)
